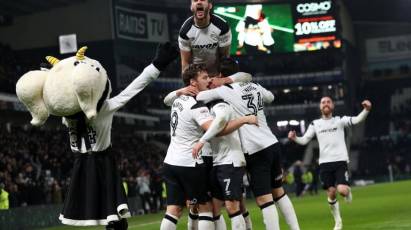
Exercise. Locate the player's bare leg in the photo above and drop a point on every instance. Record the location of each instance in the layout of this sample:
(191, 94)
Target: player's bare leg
(269, 211)
(205, 216)
(283, 202)
(235, 214)
(335, 207)
(192, 221)
(345, 191)
(246, 214)
(219, 221)
(173, 213)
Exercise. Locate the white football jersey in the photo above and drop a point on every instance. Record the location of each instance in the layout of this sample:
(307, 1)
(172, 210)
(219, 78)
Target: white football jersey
(246, 99)
(206, 151)
(204, 42)
(187, 116)
(330, 136)
(227, 149)
(95, 135)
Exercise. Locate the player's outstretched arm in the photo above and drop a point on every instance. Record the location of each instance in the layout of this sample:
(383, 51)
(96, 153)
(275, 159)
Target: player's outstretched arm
(208, 96)
(188, 90)
(308, 135)
(366, 104)
(165, 54)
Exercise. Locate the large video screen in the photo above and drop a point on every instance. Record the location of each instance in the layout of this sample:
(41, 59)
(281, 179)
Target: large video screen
(281, 27)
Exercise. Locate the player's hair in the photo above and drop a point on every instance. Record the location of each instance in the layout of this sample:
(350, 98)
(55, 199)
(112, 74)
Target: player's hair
(332, 99)
(192, 71)
(209, 1)
(228, 66)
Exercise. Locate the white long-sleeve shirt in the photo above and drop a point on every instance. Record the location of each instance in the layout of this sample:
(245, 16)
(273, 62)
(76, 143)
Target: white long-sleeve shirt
(246, 99)
(237, 77)
(330, 136)
(226, 149)
(98, 130)
(187, 117)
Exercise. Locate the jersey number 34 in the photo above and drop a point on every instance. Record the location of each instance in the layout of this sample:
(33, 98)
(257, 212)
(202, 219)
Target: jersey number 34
(253, 105)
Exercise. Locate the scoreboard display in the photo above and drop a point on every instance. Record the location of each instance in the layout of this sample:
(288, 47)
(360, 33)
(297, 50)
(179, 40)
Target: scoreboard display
(315, 26)
(281, 27)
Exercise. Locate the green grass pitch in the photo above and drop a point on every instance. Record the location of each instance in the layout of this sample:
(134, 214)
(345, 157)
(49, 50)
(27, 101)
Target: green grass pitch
(382, 206)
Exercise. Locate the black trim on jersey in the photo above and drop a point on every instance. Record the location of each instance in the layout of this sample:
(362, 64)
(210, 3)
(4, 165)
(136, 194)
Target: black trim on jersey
(219, 23)
(199, 104)
(229, 86)
(246, 214)
(170, 218)
(216, 218)
(104, 96)
(215, 102)
(186, 27)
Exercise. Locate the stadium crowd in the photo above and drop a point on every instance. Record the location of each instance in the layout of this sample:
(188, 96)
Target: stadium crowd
(36, 163)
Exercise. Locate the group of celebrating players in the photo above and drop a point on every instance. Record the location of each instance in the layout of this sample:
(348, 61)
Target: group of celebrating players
(218, 133)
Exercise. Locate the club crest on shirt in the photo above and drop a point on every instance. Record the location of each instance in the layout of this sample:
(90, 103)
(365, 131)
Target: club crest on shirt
(214, 36)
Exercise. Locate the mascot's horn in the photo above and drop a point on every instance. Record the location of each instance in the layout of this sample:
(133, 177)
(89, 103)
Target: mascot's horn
(80, 53)
(52, 60)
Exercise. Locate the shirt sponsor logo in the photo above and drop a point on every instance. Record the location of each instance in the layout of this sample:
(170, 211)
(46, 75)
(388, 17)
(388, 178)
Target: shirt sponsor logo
(206, 46)
(328, 130)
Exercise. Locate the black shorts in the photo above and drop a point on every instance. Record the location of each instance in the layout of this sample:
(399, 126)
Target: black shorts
(208, 163)
(227, 182)
(334, 173)
(264, 170)
(185, 183)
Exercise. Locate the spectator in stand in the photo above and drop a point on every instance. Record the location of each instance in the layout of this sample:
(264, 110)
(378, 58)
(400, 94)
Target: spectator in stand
(143, 182)
(298, 173)
(4, 198)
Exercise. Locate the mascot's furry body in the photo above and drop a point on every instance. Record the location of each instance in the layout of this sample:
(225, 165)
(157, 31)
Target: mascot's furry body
(78, 89)
(73, 85)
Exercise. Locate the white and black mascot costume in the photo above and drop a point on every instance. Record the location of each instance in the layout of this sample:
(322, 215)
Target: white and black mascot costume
(96, 195)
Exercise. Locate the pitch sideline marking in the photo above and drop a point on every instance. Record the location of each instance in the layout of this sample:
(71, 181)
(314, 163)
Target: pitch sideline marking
(144, 224)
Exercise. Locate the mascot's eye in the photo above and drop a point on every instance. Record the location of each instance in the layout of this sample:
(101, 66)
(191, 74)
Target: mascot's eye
(98, 69)
(76, 63)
